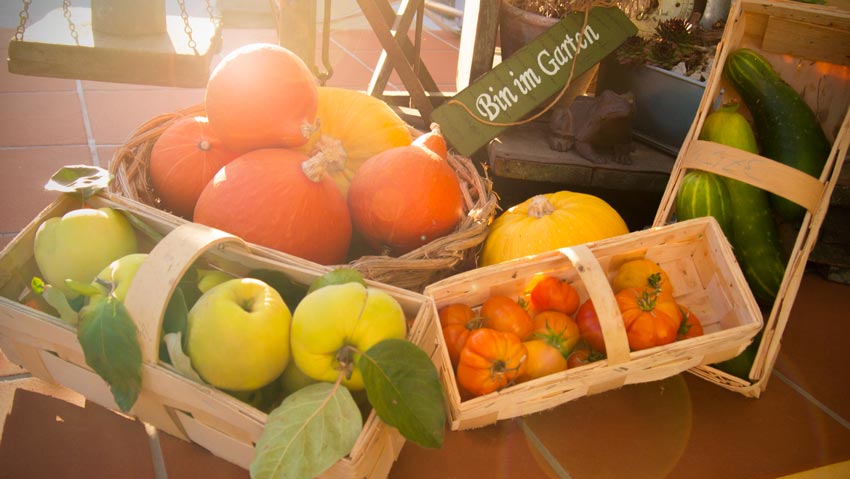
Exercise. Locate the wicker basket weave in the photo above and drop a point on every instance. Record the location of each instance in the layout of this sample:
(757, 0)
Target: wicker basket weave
(414, 270)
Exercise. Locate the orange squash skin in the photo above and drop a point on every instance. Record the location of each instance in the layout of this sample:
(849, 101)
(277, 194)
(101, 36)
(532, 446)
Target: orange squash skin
(262, 96)
(264, 197)
(404, 198)
(183, 160)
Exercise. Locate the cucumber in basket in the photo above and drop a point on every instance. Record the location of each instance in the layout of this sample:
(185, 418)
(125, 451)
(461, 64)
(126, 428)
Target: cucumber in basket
(787, 127)
(705, 194)
(754, 237)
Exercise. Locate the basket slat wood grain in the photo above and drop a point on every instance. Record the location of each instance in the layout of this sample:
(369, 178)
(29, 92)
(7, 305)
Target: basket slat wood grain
(454, 252)
(227, 427)
(808, 46)
(705, 278)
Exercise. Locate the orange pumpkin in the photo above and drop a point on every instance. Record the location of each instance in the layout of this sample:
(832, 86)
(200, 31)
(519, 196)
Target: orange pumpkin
(403, 198)
(265, 197)
(183, 160)
(434, 141)
(262, 96)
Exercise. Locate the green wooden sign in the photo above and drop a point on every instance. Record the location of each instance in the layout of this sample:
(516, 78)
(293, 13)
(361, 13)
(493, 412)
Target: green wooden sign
(529, 77)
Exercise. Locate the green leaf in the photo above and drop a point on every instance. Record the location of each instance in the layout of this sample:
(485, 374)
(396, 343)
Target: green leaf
(337, 276)
(83, 180)
(179, 359)
(404, 388)
(56, 299)
(311, 430)
(175, 320)
(108, 338)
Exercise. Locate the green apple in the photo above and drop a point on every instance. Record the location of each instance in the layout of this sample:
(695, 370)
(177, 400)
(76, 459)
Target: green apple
(118, 275)
(80, 244)
(238, 335)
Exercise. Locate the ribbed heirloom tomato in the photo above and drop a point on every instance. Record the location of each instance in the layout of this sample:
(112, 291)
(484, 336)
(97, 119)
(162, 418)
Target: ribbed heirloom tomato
(457, 321)
(551, 293)
(650, 319)
(490, 360)
(543, 359)
(690, 327)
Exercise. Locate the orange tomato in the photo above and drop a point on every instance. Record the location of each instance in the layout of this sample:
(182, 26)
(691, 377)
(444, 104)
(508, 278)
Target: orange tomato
(490, 360)
(690, 327)
(456, 321)
(556, 329)
(543, 359)
(505, 314)
(650, 319)
(551, 293)
(642, 273)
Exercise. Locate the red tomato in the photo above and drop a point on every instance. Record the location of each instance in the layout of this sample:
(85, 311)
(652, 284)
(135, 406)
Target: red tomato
(588, 326)
(582, 354)
(557, 329)
(490, 360)
(505, 314)
(690, 326)
(457, 320)
(543, 359)
(551, 293)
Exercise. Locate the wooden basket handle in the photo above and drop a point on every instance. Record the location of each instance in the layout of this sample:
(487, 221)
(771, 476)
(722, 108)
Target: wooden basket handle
(607, 310)
(158, 276)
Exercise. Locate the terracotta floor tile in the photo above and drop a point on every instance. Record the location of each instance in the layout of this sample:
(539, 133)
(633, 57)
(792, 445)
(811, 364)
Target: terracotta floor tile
(8, 368)
(114, 115)
(26, 386)
(498, 451)
(25, 171)
(354, 40)
(71, 441)
(779, 433)
(41, 118)
(813, 353)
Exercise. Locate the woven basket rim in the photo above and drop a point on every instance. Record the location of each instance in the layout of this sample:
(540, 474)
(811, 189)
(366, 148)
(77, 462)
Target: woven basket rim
(414, 270)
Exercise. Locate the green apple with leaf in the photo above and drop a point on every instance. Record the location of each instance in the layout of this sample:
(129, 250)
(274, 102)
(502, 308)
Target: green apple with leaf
(333, 325)
(80, 244)
(238, 335)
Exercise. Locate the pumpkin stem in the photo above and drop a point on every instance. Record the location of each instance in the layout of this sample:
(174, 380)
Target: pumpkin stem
(329, 157)
(540, 206)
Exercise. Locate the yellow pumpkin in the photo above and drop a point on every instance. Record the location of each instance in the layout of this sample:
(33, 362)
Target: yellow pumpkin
(551, 221)
(352, 127)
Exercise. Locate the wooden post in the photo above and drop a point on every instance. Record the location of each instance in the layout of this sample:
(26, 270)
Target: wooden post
(297, 28)
(128, 17)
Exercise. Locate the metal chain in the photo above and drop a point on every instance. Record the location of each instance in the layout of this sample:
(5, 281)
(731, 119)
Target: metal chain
(211, 11)
(186, 27)
(326, 40)
(66, 11)
(24, 15)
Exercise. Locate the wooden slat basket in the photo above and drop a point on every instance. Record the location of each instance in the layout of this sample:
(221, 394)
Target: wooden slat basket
(705, 277)
(226, 426)
(808, 46)
(454, 252)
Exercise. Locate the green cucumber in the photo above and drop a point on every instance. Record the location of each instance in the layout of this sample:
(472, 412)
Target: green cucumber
(789, 131)
(755, 237)
(704, 194)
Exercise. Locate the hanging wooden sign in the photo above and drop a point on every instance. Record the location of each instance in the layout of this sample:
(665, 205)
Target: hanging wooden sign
(533, 74)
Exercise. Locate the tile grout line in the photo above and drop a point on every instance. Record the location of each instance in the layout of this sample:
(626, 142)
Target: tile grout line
(87, 124)
(809, 397)
(547, 455)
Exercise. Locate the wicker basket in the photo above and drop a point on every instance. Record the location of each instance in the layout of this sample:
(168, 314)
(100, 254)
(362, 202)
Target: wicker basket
(414, 270)
(792, 36)
(705, 277)
(227, 427)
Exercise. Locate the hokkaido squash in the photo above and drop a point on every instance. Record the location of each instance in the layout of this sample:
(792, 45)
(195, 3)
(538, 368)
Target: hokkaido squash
(265, 197)
(262, 95)
(550, 221)
(352, 127)
(404, 198)
(183, 160)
